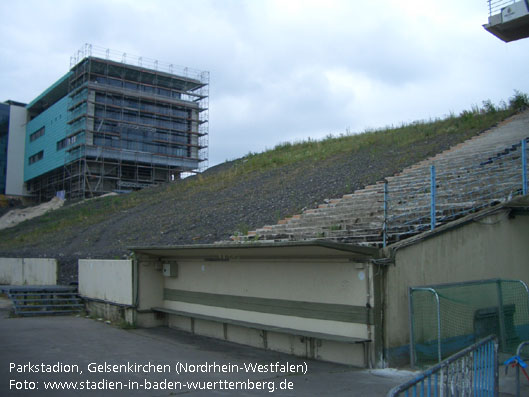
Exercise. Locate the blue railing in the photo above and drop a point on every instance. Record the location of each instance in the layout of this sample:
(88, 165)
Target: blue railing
(518, 362)
(470, 372)
(453, 192)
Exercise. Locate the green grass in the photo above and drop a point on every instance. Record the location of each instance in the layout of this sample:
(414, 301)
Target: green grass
(377, 142)
(468, 123)
(84, 213)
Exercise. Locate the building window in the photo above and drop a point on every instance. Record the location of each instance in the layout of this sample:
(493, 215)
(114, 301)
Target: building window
(36, 157)
(37, 134)
(66, 142)
(61, 144)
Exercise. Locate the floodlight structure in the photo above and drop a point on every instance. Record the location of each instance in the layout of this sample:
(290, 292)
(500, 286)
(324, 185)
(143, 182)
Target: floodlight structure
(508, 19)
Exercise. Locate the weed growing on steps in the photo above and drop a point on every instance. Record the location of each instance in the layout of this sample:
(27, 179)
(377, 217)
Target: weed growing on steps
(469, 122)
(242, 229)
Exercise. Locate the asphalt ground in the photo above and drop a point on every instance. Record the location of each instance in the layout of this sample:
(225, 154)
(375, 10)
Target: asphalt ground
(81, 352)
(50, 356)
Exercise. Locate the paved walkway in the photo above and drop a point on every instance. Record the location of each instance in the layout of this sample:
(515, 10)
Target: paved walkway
(62, 343)
(81, 344)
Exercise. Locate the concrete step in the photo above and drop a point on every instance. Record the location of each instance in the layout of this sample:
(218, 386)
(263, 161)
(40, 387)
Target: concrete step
(44, 300)
(470, 175)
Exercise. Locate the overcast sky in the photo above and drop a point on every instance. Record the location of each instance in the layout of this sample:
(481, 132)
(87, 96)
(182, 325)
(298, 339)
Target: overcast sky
(281, 70)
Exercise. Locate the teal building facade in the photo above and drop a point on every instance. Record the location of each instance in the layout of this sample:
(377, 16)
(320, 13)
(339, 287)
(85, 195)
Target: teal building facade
(111, 126)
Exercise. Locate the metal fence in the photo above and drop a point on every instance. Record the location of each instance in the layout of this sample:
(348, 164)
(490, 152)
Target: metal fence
(444, 192)
(445, 318)
(495, 6)
(470, 372)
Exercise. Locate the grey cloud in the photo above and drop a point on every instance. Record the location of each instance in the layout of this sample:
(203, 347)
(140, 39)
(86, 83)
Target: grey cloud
(280, 70)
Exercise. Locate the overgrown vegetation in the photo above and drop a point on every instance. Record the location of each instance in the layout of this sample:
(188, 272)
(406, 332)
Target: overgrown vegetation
(73, 219)
(468, 122)
(83, 213)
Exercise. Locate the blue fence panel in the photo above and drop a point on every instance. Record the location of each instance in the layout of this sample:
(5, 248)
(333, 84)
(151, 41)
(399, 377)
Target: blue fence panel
(472, 371)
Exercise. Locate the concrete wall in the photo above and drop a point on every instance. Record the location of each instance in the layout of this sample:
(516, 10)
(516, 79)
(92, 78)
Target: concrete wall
(15, 151)
(108, 311)
(107, 280)
(320, 349)
(324, 296)
(28, 271)
(149, 292)
(493, 247)
(224, 289)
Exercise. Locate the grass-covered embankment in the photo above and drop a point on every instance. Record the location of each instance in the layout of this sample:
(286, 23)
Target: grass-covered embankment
(244, 194)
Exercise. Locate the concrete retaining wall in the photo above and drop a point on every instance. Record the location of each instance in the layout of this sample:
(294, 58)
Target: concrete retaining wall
(107, 287)
(106, 280)
(28, 271)
(109, 311)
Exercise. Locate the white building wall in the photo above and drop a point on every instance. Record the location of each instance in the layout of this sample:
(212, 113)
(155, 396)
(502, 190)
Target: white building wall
(16, 151)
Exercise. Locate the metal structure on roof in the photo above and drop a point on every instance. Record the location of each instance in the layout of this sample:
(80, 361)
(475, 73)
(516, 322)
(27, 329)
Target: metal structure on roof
(508, 19)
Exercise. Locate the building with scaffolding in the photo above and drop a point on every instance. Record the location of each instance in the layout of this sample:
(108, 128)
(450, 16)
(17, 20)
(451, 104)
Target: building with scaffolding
(115, 123)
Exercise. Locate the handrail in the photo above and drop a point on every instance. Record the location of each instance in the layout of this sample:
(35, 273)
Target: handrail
(520, 347)
(452, 193)
(517, 359)
(496, 6)
(481, 369)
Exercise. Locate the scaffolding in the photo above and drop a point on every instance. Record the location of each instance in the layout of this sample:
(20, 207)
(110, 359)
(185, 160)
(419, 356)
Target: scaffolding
(132, 122)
